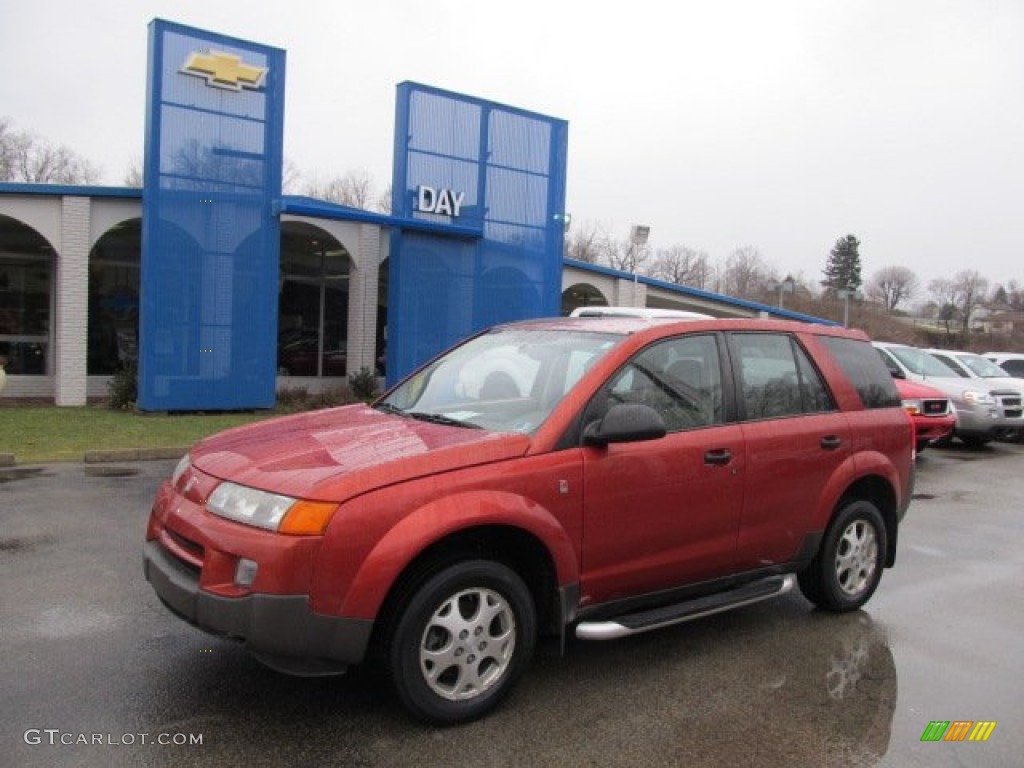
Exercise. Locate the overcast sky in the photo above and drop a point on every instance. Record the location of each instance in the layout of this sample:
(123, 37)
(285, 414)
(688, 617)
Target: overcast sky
(720, 123)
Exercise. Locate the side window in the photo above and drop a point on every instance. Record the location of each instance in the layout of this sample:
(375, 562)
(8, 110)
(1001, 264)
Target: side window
(816, 398)
(872, 381)
(777, 378)
(953, 364)
(679, 378)
(889, 361)
(1013, 367)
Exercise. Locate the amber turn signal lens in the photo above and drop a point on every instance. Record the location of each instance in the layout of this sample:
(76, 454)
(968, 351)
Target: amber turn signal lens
(308, 518)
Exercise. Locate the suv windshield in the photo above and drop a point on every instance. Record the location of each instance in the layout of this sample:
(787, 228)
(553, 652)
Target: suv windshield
(920, 362)
(507, 380)
(982, 367)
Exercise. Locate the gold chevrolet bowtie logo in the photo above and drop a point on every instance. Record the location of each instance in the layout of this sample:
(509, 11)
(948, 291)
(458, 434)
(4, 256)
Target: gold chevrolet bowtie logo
(224, 70)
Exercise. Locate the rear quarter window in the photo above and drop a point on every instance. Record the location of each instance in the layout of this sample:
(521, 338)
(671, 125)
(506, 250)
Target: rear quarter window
(865, 370)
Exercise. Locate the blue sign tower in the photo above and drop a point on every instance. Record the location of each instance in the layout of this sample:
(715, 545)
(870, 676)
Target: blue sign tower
(492, 179)
(211, 235)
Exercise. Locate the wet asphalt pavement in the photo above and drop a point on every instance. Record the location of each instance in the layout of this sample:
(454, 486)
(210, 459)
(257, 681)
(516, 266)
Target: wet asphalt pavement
(89, 655)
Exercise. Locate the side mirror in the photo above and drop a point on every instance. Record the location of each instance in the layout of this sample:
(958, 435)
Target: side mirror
(897, 373)
(625, 423)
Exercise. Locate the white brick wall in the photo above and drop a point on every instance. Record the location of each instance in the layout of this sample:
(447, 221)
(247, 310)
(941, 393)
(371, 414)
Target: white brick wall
(70, 335)
(363, 281)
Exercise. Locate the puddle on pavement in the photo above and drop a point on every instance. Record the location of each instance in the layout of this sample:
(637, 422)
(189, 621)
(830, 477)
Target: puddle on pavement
(923, 496)
(19, 473)
(20, 544)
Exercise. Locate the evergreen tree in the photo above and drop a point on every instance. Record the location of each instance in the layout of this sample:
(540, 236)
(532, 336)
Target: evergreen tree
(843, 267)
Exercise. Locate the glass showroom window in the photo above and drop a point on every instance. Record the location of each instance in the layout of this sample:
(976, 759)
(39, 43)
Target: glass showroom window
(313, 305)
(26, 284)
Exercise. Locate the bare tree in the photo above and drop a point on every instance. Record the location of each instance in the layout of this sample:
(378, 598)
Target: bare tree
(355, 189)
(584, 244)
(744, 273)
(384, 200)
(133, 175)
(624, 255)
(892, 285)
(945, 296)
(290, 177)
(683, 266)
(970, 288)
(10, 148)
(27, 158)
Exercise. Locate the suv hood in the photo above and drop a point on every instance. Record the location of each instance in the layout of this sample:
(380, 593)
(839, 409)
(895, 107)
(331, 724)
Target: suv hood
(910, 388)
(336, 454)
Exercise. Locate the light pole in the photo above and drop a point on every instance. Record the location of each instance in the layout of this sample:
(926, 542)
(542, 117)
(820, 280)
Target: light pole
(783, 286)
(638, 235)
(846, 294)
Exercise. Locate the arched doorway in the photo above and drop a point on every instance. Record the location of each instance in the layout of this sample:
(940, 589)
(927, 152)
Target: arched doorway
(114, 275)
(26, 299)
(581, 295)
(312, 329)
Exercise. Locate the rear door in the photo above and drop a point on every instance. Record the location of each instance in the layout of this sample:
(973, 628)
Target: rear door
(795, 440)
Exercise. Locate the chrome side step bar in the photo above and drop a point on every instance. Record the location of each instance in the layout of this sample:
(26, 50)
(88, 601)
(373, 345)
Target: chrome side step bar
(645, 621)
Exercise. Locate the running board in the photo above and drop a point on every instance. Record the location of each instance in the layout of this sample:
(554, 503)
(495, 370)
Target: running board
(645, 621)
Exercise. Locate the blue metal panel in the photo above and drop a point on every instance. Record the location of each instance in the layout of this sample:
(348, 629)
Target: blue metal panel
(211, 239)
(508, 166)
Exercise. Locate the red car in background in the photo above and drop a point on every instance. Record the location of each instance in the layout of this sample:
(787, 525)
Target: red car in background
(931, 411)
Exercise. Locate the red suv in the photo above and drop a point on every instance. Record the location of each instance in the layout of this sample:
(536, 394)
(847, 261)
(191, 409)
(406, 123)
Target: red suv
(932, 412)
(602, 476)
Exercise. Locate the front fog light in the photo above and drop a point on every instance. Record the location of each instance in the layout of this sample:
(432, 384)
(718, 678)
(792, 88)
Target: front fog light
(245, 572)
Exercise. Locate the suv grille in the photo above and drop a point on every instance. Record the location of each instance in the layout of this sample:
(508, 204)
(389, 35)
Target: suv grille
(1010, 402)
(935, 407)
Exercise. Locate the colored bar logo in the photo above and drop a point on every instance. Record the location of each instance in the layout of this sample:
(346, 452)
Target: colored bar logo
(958, 730)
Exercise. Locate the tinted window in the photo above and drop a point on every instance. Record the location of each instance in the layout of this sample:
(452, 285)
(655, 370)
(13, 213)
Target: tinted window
(679, 378)
(1013, 367)
(864, 368)
(777, 378)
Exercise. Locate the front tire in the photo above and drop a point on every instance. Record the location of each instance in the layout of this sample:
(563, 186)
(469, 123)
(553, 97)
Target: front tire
(847, 569)
(461, 640)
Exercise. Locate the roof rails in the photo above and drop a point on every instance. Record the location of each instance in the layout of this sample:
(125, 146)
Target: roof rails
(648, 312)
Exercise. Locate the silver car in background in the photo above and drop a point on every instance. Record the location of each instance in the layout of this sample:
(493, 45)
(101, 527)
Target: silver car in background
(983, 412)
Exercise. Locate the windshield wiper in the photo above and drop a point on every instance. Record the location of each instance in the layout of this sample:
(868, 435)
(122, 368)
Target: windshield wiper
(437, 418)
(389, 408)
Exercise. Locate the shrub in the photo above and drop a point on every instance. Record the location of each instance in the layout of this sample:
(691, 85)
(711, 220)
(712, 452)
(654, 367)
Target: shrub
(363, 384)
(124, 386)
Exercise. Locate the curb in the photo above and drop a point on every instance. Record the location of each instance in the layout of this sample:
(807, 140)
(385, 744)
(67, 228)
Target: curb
(139, 454)
(108, 456)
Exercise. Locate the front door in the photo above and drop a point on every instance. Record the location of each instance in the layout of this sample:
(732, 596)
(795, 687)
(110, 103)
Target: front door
(663, 513)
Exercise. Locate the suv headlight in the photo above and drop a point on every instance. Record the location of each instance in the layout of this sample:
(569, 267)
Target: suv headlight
(180, 469)
(913, 407)
(271, 511)
(978, 397)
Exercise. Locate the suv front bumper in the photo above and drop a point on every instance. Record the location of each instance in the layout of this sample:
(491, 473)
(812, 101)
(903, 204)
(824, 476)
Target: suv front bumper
(281, 630)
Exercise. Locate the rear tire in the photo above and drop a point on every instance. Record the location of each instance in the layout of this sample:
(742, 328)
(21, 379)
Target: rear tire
(846, 571)
(461, 641)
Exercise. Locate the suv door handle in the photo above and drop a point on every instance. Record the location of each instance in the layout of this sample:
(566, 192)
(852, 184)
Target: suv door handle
(720, 457)
(831, 442)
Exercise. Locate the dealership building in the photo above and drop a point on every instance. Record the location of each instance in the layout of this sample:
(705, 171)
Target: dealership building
(224, 291)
